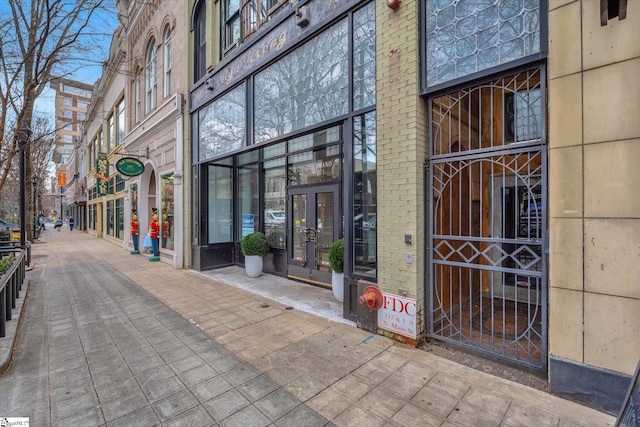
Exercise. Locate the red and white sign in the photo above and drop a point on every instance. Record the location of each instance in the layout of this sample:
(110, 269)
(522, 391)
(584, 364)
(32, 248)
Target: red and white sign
(398, 314)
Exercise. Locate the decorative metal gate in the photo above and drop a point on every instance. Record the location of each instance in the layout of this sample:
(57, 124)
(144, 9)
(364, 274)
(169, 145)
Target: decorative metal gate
(487, 176)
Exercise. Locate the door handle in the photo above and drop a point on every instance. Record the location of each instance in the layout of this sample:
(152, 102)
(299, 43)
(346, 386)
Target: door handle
(310, 234)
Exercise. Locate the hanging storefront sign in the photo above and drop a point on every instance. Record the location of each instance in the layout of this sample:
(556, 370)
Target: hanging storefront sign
(102, 175)
(130, 166)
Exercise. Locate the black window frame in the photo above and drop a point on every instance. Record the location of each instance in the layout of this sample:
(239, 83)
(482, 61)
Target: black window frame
(228, 42)
(242, 18)
(199, 28)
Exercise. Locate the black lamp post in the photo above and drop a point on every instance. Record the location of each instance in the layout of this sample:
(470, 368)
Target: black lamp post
(34, 188)
(23, 138)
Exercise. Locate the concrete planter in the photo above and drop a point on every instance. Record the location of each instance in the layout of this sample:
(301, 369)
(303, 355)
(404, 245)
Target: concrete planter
(253, 265)
(337, 285)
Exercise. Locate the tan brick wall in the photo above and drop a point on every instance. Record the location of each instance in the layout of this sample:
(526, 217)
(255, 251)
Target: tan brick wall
(594, 206)
(401, 138)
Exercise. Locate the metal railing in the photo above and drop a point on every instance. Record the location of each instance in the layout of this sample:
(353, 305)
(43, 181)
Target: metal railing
(11, 282)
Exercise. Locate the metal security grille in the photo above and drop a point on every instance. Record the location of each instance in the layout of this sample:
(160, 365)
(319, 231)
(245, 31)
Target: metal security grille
(487, 207)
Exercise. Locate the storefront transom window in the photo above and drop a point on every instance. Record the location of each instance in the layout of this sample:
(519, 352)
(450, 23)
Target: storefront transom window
(465, 37)
(222, 125)
(304, 88)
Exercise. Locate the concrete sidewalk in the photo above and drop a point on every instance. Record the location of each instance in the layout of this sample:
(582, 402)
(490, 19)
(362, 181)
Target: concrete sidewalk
(111, 339)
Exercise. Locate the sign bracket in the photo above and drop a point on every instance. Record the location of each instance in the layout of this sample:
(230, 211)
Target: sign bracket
(144, 156)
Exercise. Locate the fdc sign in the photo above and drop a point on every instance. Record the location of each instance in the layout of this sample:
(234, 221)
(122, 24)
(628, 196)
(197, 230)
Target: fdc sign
(398, 314)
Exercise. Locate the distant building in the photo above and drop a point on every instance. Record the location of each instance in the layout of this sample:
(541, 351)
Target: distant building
(102, 147)
(72, 103)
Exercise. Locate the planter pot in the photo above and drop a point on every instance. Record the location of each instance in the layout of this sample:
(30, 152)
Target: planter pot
(253, 265)
(337, 285)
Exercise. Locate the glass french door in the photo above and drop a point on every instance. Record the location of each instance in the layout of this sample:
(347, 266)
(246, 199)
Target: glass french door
(313, 223)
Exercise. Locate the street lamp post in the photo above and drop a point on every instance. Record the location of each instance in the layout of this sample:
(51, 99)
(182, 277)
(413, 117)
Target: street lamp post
(23, 138)
(34, 188)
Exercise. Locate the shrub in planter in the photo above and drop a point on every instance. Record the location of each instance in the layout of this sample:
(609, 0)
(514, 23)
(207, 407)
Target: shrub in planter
(254, 246)
(336, 262)
(336, 256)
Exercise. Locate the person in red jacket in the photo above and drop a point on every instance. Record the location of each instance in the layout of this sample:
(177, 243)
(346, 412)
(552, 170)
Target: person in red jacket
(134, 232)
(154, 231)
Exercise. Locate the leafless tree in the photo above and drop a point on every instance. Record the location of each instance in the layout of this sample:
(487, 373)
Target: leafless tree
(37, 39)
(41, 150)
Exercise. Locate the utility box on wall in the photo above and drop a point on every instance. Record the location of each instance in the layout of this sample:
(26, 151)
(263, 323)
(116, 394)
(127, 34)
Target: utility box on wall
(366, 318)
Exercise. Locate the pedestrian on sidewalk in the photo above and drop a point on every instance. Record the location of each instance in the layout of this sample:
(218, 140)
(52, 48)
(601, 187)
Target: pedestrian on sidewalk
(58, 224)
(71, 223)
(42, 223)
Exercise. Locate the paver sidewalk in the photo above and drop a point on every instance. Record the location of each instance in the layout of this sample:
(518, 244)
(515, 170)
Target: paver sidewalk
(312, 367)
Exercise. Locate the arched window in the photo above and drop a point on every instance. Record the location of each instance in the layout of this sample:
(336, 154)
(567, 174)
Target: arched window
(138, 95)
(167, 62)
(152, 75)
(200, 42)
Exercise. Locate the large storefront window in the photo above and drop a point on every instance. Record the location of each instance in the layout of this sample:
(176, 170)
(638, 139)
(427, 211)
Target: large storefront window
(93, 209)
(365, 183)
(275, 197)
(120, 218)
(110, 218)
(220, 204)
(167, 212)
(364, 57)
(222, 125)
(306, 87)
(248, 198)
(465, 37)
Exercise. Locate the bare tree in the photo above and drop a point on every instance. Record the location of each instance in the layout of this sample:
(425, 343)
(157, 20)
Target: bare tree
(41, 150)
(39, 38)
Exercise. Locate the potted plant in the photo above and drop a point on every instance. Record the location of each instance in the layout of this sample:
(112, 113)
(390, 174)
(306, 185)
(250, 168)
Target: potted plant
(254, 246)
(336, 262)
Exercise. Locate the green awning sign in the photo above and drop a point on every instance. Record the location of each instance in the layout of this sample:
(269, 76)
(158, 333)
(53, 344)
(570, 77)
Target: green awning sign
(130, 166)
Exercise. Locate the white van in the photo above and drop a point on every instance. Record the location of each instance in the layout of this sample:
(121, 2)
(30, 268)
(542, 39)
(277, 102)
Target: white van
(274, 217)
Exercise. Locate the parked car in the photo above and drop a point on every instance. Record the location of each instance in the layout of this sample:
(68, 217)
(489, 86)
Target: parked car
(531, 220)
(5, 231)
(365, 237)
(274, 217)
(371, 224)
